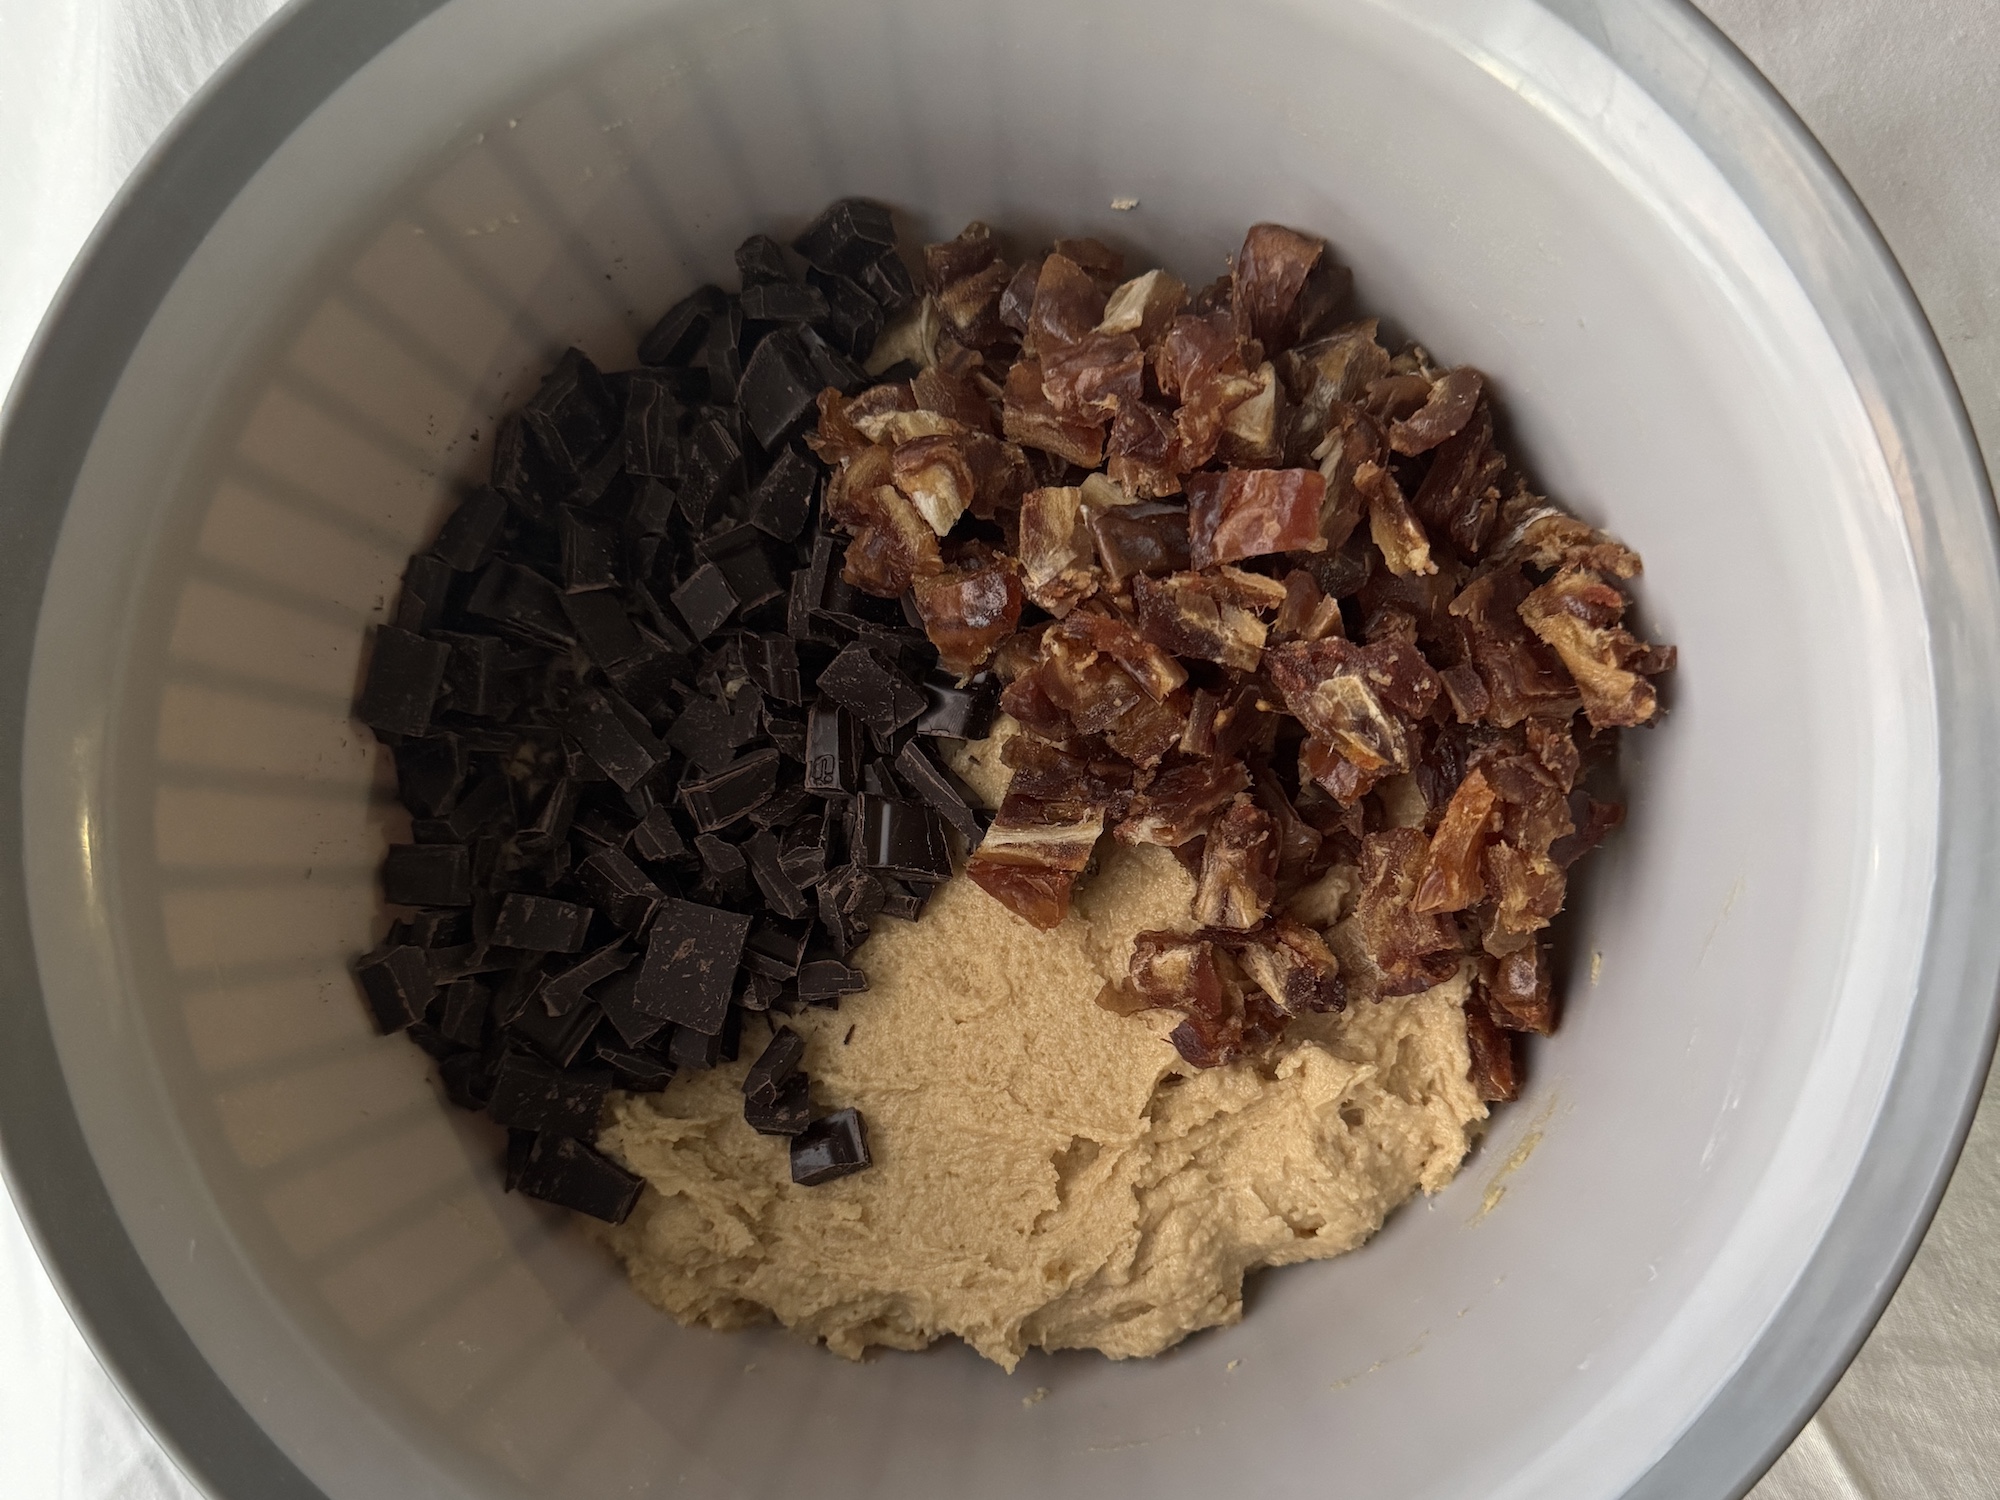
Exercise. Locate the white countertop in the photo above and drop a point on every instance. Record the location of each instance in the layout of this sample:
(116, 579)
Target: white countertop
(1905, 94)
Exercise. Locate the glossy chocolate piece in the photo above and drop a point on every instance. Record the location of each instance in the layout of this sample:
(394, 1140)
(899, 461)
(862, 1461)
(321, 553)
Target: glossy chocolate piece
(652, 427)
(562, 993)
(780, 382)
(705, 601)
(633, 1025)
(833, 751)
(829, 979)
(529, 1094)
(880, 697)
(776, 1064)
(956, 712)
(655, 838)
(427, 875)
(784, 1110)
(832, 1147)
(615, 736)
(903, 839)
(635, 1072)
(783, 498)
(396, 983)
(620, 889)
(405, 672)
(730, 794)
(847, 236)
(783, 302)
(725, 871)
(564, 1171)
(540, 924)
(522, 602)
(690, 965)
(589, 552)
(471, 533)
(679, 334)
(937, 787)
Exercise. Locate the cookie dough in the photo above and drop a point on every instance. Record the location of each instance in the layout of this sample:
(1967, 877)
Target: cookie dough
(1046, 1173)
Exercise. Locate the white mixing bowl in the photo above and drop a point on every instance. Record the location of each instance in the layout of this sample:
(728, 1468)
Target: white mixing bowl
(289, 342)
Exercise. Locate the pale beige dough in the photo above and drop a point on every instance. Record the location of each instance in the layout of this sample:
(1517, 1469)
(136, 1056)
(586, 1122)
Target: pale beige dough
(1046, 1174)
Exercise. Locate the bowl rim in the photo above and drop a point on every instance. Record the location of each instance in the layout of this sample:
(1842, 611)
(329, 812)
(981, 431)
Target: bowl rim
(1686, 65)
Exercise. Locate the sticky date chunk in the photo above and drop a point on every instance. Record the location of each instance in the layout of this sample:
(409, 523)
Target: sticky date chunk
(1029, 861)
(966, 613)
(1056, 549)
(1452, 880)
(1519, 990)
(1190, 614)
(1357, 703)
(1412, 950)
(1495, 1068)
(1577, 614)
(1180, 802)
(1251, 512)
(1239, 868)
(1225, 1014)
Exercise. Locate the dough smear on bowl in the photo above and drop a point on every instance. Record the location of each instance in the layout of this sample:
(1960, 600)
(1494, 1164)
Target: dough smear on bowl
(1046, 1173)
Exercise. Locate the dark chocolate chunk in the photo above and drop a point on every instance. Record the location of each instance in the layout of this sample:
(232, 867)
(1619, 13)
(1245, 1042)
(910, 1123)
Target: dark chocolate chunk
(831, 367)
(722, 352)
(619, 889)
(786, 806)
(833, 751)
(466, 541)
(785, 1110)
(405, 672)
(560, 1039)
(783, 498)
(777, 1063)
(761, 260)
(959, 712)
(651, 512)
(713, 471)
(752, 578)
(597, 478)
(725, 872)
(652, 427)
(632, 1024)
(804, 856)
(602, 627)
(879, 697)
(732, 792)
(427, 875)
(903, 838)
(520, 600)
(675, 339)
(589, 553)
(847, 236)
(462, 1012)
(690, 965)
(759, 992)
(854, 319)
(468, 1079)
(655, 838)
(551, 822)
(777, 948)
(773, 664)
(540, 924)
(635, 1072)
(905, 900)
(528, 1094)
(564, 1171)
(420, 606)
(934, 784)
(779, 385)
(439, 928)
(616, 736)
(767, 868)
(428, 773)
(396, 982)
(571, 415)
(563, 992)
(705, 601)
(849, 897)
(889, 282)
(829, 979)
(705, 732)
(476, 678)
(877, 781)
(487, 809)
(693, 1050)
(783, 302)
(834, 1146)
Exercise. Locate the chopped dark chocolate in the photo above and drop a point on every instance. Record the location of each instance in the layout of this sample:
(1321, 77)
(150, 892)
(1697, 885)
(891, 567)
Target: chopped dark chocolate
(563, 992)
(615, 736)
(614, 998)
(571, 415)
(783, 498)
(564, 1171)
(959, 711)
(725, 871)
(829, 979)
(396, 982)
(620, 889)
(903, 838)
(705, 600)
(466, 541)
(783, 302)
(427, 875)
(540, 924)
(693, 1049)
(833, 751)
(560, 1039)
(778, 387)
(420, 605)
(722, 351)
(405, 672)
(429, 772)
(521, 601)
(731, 793)
(931, 782)
(602, 627)
(767, 868)
(655, 838)
(690, 965)
(462, 1012)
(528, 1094)
(847, 237)
(849, 898)
(905, 900)
(881, 698)
(635, 1072)
(785, 1110)
(833, 1146)
(776, 1064)
(760, 260)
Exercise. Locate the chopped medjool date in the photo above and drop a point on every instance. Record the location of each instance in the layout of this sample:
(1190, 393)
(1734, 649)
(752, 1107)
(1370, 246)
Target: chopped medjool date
(967, 612)
(1239, 868)
(1577, 614)
(1495, 1067)
(831, 1147)
(1251, 512)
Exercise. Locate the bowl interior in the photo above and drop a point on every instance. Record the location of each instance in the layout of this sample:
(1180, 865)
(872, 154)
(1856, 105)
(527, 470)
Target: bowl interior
(509, 178)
